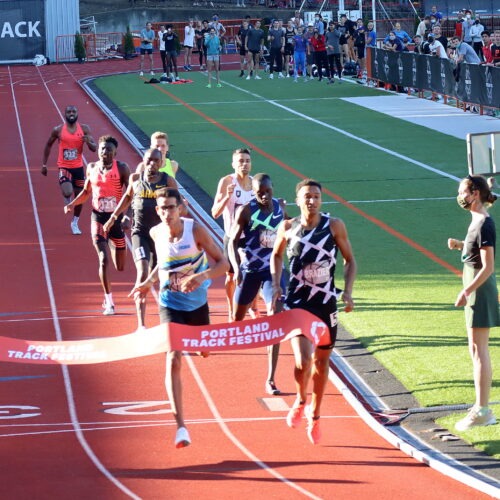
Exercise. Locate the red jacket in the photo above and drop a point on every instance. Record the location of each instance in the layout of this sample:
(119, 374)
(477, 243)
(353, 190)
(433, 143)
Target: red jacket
(319, 44)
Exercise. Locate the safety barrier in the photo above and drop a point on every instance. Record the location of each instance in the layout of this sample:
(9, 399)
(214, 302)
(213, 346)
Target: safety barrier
(469, 84)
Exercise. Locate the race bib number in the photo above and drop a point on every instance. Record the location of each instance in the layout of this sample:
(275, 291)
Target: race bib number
(316, 272)
(267, 238)
(106, 204)
(70, 154)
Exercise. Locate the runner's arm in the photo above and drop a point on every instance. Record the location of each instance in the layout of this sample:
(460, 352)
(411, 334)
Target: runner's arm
(87, 137)
(54, 136)
(277, 262)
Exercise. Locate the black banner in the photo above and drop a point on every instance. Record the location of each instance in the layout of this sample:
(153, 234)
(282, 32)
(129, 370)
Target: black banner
(477, 84)
(22, 29)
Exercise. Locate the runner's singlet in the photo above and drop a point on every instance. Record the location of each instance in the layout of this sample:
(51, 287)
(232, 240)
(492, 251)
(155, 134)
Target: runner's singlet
(260, 234)
(107, 189)
(144, 203)
(70, 147)
(176, 261)
(313, 256)
(167, 168)
(238, 197)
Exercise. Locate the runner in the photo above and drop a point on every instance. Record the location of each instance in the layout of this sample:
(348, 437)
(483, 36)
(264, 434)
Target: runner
(141, 192)
(71, 136)
(159, 140)
(233, 190)
(182, 246)
(258, 220)
(312, 240)
(106, 180)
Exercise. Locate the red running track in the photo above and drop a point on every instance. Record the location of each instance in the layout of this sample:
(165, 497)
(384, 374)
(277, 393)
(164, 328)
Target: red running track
(105, 431)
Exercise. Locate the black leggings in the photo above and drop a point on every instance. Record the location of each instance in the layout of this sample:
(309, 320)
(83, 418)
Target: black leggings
(321, 62)
(334, 63)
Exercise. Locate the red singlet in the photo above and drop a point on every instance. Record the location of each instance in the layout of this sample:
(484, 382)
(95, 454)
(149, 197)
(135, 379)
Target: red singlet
(70, 147)
(107, 188)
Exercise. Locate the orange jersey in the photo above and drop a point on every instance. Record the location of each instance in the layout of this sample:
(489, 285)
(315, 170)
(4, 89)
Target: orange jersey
(70, 147)
(107, 189)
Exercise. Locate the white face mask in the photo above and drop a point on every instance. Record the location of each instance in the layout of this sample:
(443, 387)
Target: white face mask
(468, 16)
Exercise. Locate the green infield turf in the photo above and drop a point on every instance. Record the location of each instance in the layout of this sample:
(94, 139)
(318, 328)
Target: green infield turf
(393, 191)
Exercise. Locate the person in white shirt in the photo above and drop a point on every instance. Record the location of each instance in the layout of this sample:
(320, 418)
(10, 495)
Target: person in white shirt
(188, 44)
(161, 44)
(436, 47)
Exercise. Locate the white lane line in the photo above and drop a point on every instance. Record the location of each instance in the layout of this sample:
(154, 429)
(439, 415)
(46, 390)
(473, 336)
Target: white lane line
(347, 134)
(53, 306)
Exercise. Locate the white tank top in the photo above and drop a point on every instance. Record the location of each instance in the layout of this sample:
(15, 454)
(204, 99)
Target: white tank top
(238, 197)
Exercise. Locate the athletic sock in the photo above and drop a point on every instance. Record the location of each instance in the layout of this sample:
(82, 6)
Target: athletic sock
(76, 219)
(108, 297)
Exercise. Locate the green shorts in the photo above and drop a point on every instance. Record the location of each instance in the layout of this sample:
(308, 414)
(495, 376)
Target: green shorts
(481, 310)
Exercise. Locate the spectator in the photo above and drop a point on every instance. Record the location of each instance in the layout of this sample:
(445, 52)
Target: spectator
(459, 24)
(476, 31)
(333, 51)
(436, 31)
(401, 34)
(434, 22)
(147, 38)
(299, 54)
(424, 27)
(254, 44)
(188, 44)
(205, 30)
(464, 52)
(290, 32)
(170, 38)
(297, 20)
(318, 24)
(495, 49)
(240, 39)
(421, 46)
(486, 41)
(220, 31)
(466, 27)
(436, 47)
(199, 37)
(393, 43)
(212, 42)
(161, 45)
(371, 35)
(359, 45)
(276, 39)
(310, 50)
(350, 34)
(434, 12)
(318, 43)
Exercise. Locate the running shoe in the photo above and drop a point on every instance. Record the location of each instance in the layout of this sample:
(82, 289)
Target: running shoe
(280, 75)
(190, 68)
(182, 438)
(209, 86)
(248, 77)
(271, 76)
(219, 85)
(475, 418)
(109, 310)
(164, 75)
(185, 68)
(152, 72)
(272, 389)
(313, 429)
(294, 416)
(141, 73)
(74, 227)
(257, 77)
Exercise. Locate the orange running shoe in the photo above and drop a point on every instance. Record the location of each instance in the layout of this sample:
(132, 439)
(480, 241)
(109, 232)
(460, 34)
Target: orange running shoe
(294, 416)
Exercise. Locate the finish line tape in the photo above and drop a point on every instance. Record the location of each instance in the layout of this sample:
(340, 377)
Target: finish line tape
(248, 334)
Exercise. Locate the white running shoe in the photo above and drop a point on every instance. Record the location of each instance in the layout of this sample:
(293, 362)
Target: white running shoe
(257, 77)
(280, 75)
(182, 438)
(109, 310)
(248, 77)
(141, 73)
(475, 418)
(74, 227)
(271, 76)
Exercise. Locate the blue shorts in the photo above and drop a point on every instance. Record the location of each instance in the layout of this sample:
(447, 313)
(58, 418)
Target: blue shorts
(250, 285)
(145, 51)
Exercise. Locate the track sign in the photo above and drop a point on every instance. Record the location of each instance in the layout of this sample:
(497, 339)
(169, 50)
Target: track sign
(483, 153)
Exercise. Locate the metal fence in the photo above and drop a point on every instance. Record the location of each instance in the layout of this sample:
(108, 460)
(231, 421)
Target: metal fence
(97, 46)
